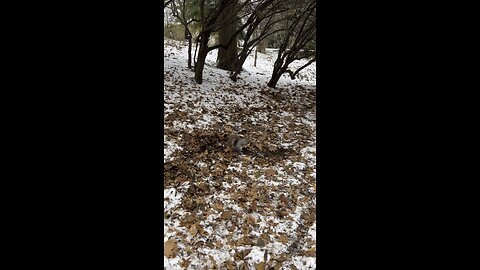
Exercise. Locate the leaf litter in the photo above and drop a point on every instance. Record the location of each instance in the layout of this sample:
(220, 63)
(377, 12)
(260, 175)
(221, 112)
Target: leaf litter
(230, 210)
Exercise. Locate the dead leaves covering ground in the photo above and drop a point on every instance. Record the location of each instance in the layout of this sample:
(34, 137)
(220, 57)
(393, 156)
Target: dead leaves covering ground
(229, 211)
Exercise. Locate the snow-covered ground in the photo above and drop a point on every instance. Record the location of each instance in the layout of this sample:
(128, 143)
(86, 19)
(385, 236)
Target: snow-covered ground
(224, 210)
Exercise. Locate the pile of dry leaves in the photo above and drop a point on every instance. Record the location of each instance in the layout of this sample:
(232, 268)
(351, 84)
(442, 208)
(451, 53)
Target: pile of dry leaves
(225, 210)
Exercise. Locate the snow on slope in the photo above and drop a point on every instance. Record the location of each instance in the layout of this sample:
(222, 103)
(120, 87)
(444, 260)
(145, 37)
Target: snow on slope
(223, 210)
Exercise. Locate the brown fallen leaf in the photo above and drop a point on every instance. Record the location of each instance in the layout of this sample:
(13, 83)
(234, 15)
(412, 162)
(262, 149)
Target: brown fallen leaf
(185, 263)
(193, 230)
(218, 244)
(311, 252)
(226, 215)
(260, 266)
(170, 248)
(201, 230)
(260, 242)
(270, 172)
(217, 206)
(230, 265)
(283, 239)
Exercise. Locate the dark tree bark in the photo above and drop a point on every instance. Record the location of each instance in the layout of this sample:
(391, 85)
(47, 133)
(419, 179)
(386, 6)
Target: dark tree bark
(299, 33)
(202, 56)
(183, 20)
(262, 46)
(278, 70)
(226, 56)
(265, 20)
(213, 21)
(295, 73)
(190, 52)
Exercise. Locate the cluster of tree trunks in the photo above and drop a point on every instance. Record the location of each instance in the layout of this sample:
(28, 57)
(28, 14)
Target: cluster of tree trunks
(294, 19)
(226, 56)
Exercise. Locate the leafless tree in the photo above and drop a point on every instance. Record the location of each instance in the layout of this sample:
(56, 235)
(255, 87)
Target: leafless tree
(299, 32)
(267, 13)
(213, 22)
(179, 10)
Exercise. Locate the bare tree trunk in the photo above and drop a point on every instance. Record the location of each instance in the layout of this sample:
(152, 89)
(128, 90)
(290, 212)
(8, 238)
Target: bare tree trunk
(255, 61)
(226, 57)
(298, 34)
(203, 50)
(190, 52)
(202, 55)
(238, 65)
(262, 46)
(277, 74)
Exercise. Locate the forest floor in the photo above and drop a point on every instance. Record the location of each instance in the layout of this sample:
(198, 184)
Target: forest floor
(224, 210)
